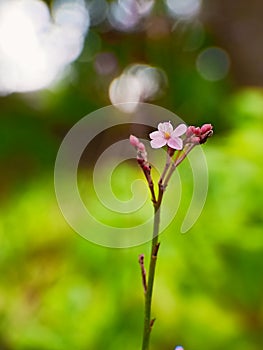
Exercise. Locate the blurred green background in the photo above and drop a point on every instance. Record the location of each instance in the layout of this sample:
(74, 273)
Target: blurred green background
(59, 291)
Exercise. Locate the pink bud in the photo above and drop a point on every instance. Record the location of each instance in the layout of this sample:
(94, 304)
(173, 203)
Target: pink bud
(205, 128)
(190, 131)
(134, 141)
(197, 131)
(141, 147)
(195, 139)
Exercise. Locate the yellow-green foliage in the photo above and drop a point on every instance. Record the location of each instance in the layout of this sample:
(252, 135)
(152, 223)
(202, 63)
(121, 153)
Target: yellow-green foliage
(60, 292)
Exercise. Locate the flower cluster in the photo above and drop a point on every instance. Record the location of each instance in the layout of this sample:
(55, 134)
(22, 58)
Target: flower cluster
(181, 139)
(166, 135)
(199, 135)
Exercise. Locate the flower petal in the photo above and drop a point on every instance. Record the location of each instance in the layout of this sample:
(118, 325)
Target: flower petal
(165, 127)
(175, 143)
(180, 130)
(158, 142)
(156, 134)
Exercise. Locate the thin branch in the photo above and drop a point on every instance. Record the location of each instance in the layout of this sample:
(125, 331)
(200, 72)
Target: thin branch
(148, 321)
(166, 167)
(176, 162)
(146, 168)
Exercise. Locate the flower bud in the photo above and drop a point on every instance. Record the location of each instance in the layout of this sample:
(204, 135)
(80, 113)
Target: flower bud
(204, 137)
(141, 147)
(197, 131)
(205, 128)
(195, 139)
(134, 141)
(190, 131)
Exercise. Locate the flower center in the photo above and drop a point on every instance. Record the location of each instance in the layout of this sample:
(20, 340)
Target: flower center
(167, 135)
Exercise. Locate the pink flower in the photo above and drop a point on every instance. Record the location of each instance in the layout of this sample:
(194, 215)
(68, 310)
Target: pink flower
(167, 136)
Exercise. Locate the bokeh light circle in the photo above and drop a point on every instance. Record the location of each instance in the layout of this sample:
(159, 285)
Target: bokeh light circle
(137, 83)
(91, 212)
(38, 43)
(213, 63)
(184, 9)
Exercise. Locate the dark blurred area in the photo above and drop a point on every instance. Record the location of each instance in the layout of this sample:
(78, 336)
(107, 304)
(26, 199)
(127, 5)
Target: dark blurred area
(238, 27)
(61, 60)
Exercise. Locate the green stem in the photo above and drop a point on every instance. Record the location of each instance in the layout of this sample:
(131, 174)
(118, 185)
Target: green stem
(148, 321)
